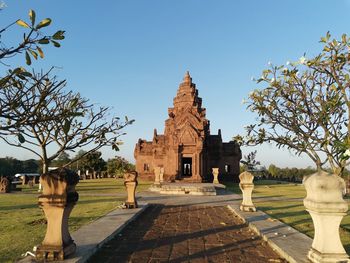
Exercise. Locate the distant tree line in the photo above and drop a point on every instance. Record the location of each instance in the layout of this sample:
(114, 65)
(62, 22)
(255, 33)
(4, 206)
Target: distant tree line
(93, 165)
(10, 166)
(91, 162)
(294, 174)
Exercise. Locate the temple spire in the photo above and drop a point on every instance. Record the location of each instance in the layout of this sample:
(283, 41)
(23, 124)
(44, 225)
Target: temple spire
(187, 78)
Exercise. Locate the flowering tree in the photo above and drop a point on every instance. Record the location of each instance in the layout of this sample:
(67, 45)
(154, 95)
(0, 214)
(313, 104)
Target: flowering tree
(305, 106)
(18, 82)
(64, 121)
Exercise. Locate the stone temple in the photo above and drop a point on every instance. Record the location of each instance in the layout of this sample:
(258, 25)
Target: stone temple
(187, 151)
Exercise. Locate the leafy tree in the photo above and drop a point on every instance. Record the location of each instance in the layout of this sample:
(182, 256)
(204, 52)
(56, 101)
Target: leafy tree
(305, 106)
(61, 160)
(273, 170)
(93, 161)
(249, 161)
(118, 165)
(17, 80)
(65, 122)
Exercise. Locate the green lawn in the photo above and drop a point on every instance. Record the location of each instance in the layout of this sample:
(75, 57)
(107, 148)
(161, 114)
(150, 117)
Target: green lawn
(22, 223)
(284, 202)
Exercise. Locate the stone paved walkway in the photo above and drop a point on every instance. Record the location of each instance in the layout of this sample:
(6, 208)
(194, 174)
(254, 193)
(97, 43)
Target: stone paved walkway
(187, 233)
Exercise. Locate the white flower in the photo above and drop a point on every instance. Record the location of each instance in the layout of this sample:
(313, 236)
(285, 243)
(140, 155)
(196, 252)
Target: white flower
(302, 60)
(347, 153)
(288, 63)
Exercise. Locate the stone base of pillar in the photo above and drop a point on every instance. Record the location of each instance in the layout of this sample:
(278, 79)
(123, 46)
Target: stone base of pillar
(247, 208)
(131, 205)
(316, 256)
(54, 253)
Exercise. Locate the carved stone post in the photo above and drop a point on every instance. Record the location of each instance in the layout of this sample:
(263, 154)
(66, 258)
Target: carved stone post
(246, 185)
(325, 203)
(215, 172)
(157, 175)
(161, 175)
(130, 182)
(4, 185)
(57, 201)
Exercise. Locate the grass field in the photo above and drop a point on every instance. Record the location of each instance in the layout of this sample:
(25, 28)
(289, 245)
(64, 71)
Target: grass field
(22, 223)
(285, 203)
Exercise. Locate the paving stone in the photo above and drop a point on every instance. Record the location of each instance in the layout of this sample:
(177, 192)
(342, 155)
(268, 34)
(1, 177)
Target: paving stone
(187, 233)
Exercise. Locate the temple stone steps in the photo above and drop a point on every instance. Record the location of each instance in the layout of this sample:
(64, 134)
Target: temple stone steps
(187, 188)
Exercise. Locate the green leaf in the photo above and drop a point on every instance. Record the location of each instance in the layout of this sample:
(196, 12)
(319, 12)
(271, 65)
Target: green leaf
(43, 23)
(44, 41)
(59, 35)
(41, 53)
(34, 54)
(22, 23)
(343, 37)
(25, 74)
(66, 126)
(28, 60)
(21, 138)
(55, 43)
(32, 16)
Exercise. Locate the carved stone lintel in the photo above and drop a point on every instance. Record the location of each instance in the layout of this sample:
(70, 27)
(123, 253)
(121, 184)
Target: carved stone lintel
(246, 185)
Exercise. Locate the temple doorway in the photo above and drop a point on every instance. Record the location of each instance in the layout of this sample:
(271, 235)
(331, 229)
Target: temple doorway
(186, 167)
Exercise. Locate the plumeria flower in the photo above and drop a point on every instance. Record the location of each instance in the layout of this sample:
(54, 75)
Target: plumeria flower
(302, 60)
(347, 153)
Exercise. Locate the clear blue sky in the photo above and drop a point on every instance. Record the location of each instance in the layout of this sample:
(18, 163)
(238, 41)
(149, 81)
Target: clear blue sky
(132, 55)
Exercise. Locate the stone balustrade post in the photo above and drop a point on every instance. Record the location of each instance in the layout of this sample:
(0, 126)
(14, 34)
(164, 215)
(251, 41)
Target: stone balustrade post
(246, 185)
(324, 201)
(130, 182)
(157, 175)
(57, 201)
(215, 172)
(161, 175)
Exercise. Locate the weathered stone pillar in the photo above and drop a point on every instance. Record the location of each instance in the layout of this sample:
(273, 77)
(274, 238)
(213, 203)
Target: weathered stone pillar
(130, 182)
(57, 201)
(5, 186)
(215, 172)
(246, 185)
(325, 203)
(161, 175)
(157, 175)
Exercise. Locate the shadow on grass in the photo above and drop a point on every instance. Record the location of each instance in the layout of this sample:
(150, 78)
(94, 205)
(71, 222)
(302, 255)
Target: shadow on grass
(93, 189)
(35, 205)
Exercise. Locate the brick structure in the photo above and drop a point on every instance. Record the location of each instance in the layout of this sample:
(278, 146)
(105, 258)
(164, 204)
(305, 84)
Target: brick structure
(187, 150)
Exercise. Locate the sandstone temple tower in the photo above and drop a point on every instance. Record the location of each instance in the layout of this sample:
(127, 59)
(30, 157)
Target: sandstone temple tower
(187, 150)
